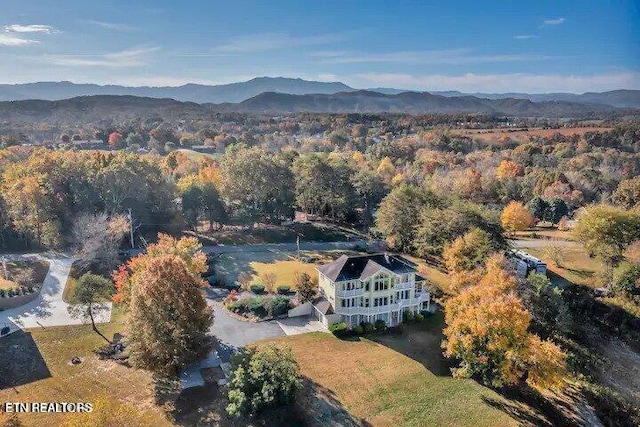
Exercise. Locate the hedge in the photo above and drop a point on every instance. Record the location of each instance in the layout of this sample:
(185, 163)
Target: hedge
(257, 289)
(338, 329)
(284, 289)
(261, 306)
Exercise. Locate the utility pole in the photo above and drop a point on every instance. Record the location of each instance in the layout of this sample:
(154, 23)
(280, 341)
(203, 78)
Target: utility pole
(130, 217)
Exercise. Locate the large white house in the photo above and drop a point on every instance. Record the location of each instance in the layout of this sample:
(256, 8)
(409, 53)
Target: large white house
(367, 288)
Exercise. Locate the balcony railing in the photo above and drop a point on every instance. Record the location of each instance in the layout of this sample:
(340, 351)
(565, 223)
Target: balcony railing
(403, 286)
(350, 293)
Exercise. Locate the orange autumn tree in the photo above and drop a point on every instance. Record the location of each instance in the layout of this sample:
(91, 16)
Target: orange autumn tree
(188, 249)
(516, 217)
(488, 331)
(509, 169)
(168, 317)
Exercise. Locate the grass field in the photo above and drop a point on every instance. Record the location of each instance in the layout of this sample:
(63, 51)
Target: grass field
(35, 368)
(393, 380)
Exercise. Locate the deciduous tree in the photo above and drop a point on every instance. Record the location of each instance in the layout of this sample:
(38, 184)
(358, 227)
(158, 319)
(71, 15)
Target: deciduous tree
(516, 217)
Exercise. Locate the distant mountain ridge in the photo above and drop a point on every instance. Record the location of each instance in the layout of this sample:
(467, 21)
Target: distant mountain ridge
(110, 108)
(234, 92)
(364, 101)
(241, 91)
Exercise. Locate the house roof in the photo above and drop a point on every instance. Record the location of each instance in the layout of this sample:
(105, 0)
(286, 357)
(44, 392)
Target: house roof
(323, 306)
(364, 266)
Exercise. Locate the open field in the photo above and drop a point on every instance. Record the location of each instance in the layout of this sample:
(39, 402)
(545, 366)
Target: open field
(494, 135)
(284, 264)
(35, 368)
(399, 380)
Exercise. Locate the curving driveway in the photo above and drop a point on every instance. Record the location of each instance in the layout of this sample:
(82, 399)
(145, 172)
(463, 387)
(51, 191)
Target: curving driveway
(48, 309)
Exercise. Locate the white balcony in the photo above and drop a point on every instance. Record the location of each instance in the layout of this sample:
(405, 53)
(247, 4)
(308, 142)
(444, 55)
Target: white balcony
(351, 293)
(404, 286)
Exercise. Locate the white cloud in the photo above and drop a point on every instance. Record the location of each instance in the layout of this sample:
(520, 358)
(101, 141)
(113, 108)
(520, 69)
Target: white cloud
(525, 37)
(500, 83)
(113, 26)
(10, 40)
(133, 57)
(17, 28)
(449, 56)
(554, 21)
(275, 41)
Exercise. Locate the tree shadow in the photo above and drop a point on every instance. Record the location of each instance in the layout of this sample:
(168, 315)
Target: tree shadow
(21, 361)
(322, 408)
(421, 342)
(531, 408)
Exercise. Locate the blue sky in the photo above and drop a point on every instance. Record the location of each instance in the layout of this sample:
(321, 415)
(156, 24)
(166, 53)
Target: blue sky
(488, 46)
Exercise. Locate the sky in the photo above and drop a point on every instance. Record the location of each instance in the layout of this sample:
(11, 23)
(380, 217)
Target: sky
(467, 45)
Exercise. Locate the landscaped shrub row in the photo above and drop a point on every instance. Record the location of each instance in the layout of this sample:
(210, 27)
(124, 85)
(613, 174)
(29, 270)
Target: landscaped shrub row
(17, 291)
(364, 328)
(262, 306)
(284, 289)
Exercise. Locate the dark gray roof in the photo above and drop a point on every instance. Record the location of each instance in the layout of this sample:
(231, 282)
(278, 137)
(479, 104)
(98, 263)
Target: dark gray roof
(363, 266)
(323, 306)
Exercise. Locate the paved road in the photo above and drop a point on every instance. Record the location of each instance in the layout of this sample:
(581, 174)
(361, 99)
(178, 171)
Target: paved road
(232, 334)
(48, 309)
(304, 246)
(541, 243)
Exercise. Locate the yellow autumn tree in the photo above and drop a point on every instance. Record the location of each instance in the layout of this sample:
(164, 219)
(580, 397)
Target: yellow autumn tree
(487, 330)
(516, 217)
(509, 169)
(386, 169)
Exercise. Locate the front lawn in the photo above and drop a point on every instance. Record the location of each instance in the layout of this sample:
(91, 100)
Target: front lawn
(36, 367)
(400, 380)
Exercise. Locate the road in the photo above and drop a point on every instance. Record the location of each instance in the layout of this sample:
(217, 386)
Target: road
(541, 243)
(48, 309)
(265, 247)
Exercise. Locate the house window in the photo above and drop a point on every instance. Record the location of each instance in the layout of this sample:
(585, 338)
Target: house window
(406, 294)
(386, 301)
(366, 302)
(342, 303)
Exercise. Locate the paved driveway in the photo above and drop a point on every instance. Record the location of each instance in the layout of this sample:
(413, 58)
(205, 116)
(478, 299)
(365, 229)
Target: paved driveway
(232, 334)
(48, 309)
(301, 325)
(542, 243)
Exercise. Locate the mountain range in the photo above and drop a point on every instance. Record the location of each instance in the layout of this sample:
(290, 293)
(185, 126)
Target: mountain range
(98, 108)
(242, 91)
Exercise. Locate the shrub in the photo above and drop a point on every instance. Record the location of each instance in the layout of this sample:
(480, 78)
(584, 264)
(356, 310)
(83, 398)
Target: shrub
(5, 330)
(368, 327)
(1, 293)
(279, 306)
(238, 306)
(338, 329)
(284, 289)
(262, 379)
(358, 330)
(425, 313)
(380, 325)
(408, 316)
(419, 317)
(257, 289)
(257, 307)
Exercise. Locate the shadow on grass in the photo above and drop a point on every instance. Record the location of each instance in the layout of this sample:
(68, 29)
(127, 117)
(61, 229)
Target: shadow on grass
(20, 361)
(421, 342)
(316, 406)
(531, 408)
(322, 408)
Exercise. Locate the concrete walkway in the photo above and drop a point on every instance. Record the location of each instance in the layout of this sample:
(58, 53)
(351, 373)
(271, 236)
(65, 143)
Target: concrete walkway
(48, 309)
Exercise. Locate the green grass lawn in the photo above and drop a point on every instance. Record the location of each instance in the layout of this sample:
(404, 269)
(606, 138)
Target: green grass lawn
(35, 368)
(72, 280)
(394, 380)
